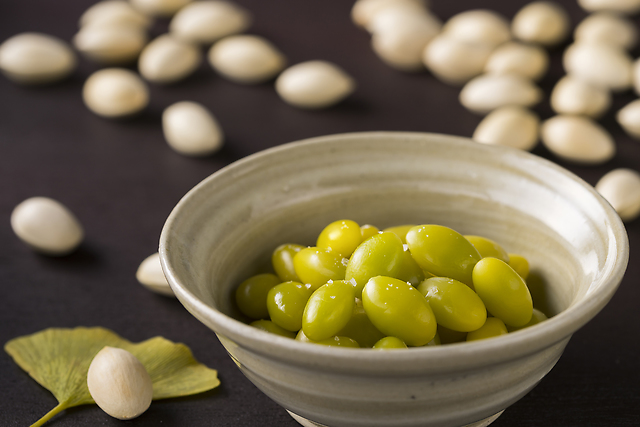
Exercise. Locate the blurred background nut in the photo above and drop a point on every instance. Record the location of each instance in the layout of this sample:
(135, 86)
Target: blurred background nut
(114, 13)
(35, 58)
(518, 58)
(621, 188)
(246, 59)
(47, 226)
(599, 63)
(207, 21)
(487, 92)
(510, 126)
(162, 8)
(110, 44)
(455, 61)
(606, 27)
(314, 84)
(479, 26)
(622, 6)
(192, 130)
(541, 22)
(629, 118)
(168, 60)
(577, 139)
(115, 92)
(574, 96)
(364, 10)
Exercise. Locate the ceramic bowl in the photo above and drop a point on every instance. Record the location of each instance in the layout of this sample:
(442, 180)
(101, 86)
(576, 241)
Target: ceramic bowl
(225, 229)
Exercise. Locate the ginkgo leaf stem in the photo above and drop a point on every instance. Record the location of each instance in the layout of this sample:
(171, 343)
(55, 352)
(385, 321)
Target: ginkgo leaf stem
(52, 413)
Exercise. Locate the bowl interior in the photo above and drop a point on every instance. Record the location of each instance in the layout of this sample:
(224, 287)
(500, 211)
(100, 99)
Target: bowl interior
(225, 229)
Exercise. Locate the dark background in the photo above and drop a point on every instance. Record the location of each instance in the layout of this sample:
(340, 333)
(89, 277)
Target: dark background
(122, 180)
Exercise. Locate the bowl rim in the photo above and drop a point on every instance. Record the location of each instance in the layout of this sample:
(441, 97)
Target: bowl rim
(469, 355)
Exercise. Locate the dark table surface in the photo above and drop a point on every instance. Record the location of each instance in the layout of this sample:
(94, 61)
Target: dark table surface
(122, 180)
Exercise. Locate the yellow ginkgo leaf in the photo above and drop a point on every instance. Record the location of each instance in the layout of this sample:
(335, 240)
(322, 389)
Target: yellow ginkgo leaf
(58, 359)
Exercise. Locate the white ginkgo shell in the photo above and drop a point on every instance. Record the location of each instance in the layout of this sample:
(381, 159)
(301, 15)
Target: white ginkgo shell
(209, 20)
(578, 139)
(110, 44)
(455, 61)
(599, 63)
(529, 61)
(606, 27)
(246, 59)
(115, 92)
(490, 91)
(629, 118)
(574, 96)
(119, 383)
(479, 26)
(150, 275)
(35, 58)
(47, 226)
(314, 84)
(191, 129)
(510, 126)
(621, 188)
(168, 60)
(541, 22)
(114, 13)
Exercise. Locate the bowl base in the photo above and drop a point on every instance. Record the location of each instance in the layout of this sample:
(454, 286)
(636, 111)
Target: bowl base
(482, 423)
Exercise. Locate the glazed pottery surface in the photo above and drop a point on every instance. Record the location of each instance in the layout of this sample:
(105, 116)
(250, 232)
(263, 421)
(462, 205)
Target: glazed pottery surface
(224, 231)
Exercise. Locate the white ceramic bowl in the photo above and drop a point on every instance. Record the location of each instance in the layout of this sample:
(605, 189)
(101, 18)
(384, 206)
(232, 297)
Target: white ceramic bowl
(225, 229)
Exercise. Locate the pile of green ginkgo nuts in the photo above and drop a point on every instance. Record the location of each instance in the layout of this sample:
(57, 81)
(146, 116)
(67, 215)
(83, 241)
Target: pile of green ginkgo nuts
(410, 285)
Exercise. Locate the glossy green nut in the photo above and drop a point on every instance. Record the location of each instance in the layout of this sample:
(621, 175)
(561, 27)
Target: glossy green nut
(409, 270)
(493, 327)
(536, 318)
(380, 255)
(269, 326)
(360, 328)
(341, 237)
(503, 291)
(328, 310)
(339, 341)
(389, 343)
(454, 304)
(520, 265)
(251, 295)
(397, 309)
(317, 266)
(282, 261)
(368, 230)
(488, 248)
(443, 252)
(400, 231)
(286, 303)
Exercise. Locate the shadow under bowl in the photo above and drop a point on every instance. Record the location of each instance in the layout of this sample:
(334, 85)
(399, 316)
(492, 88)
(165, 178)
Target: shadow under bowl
(225, 229)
